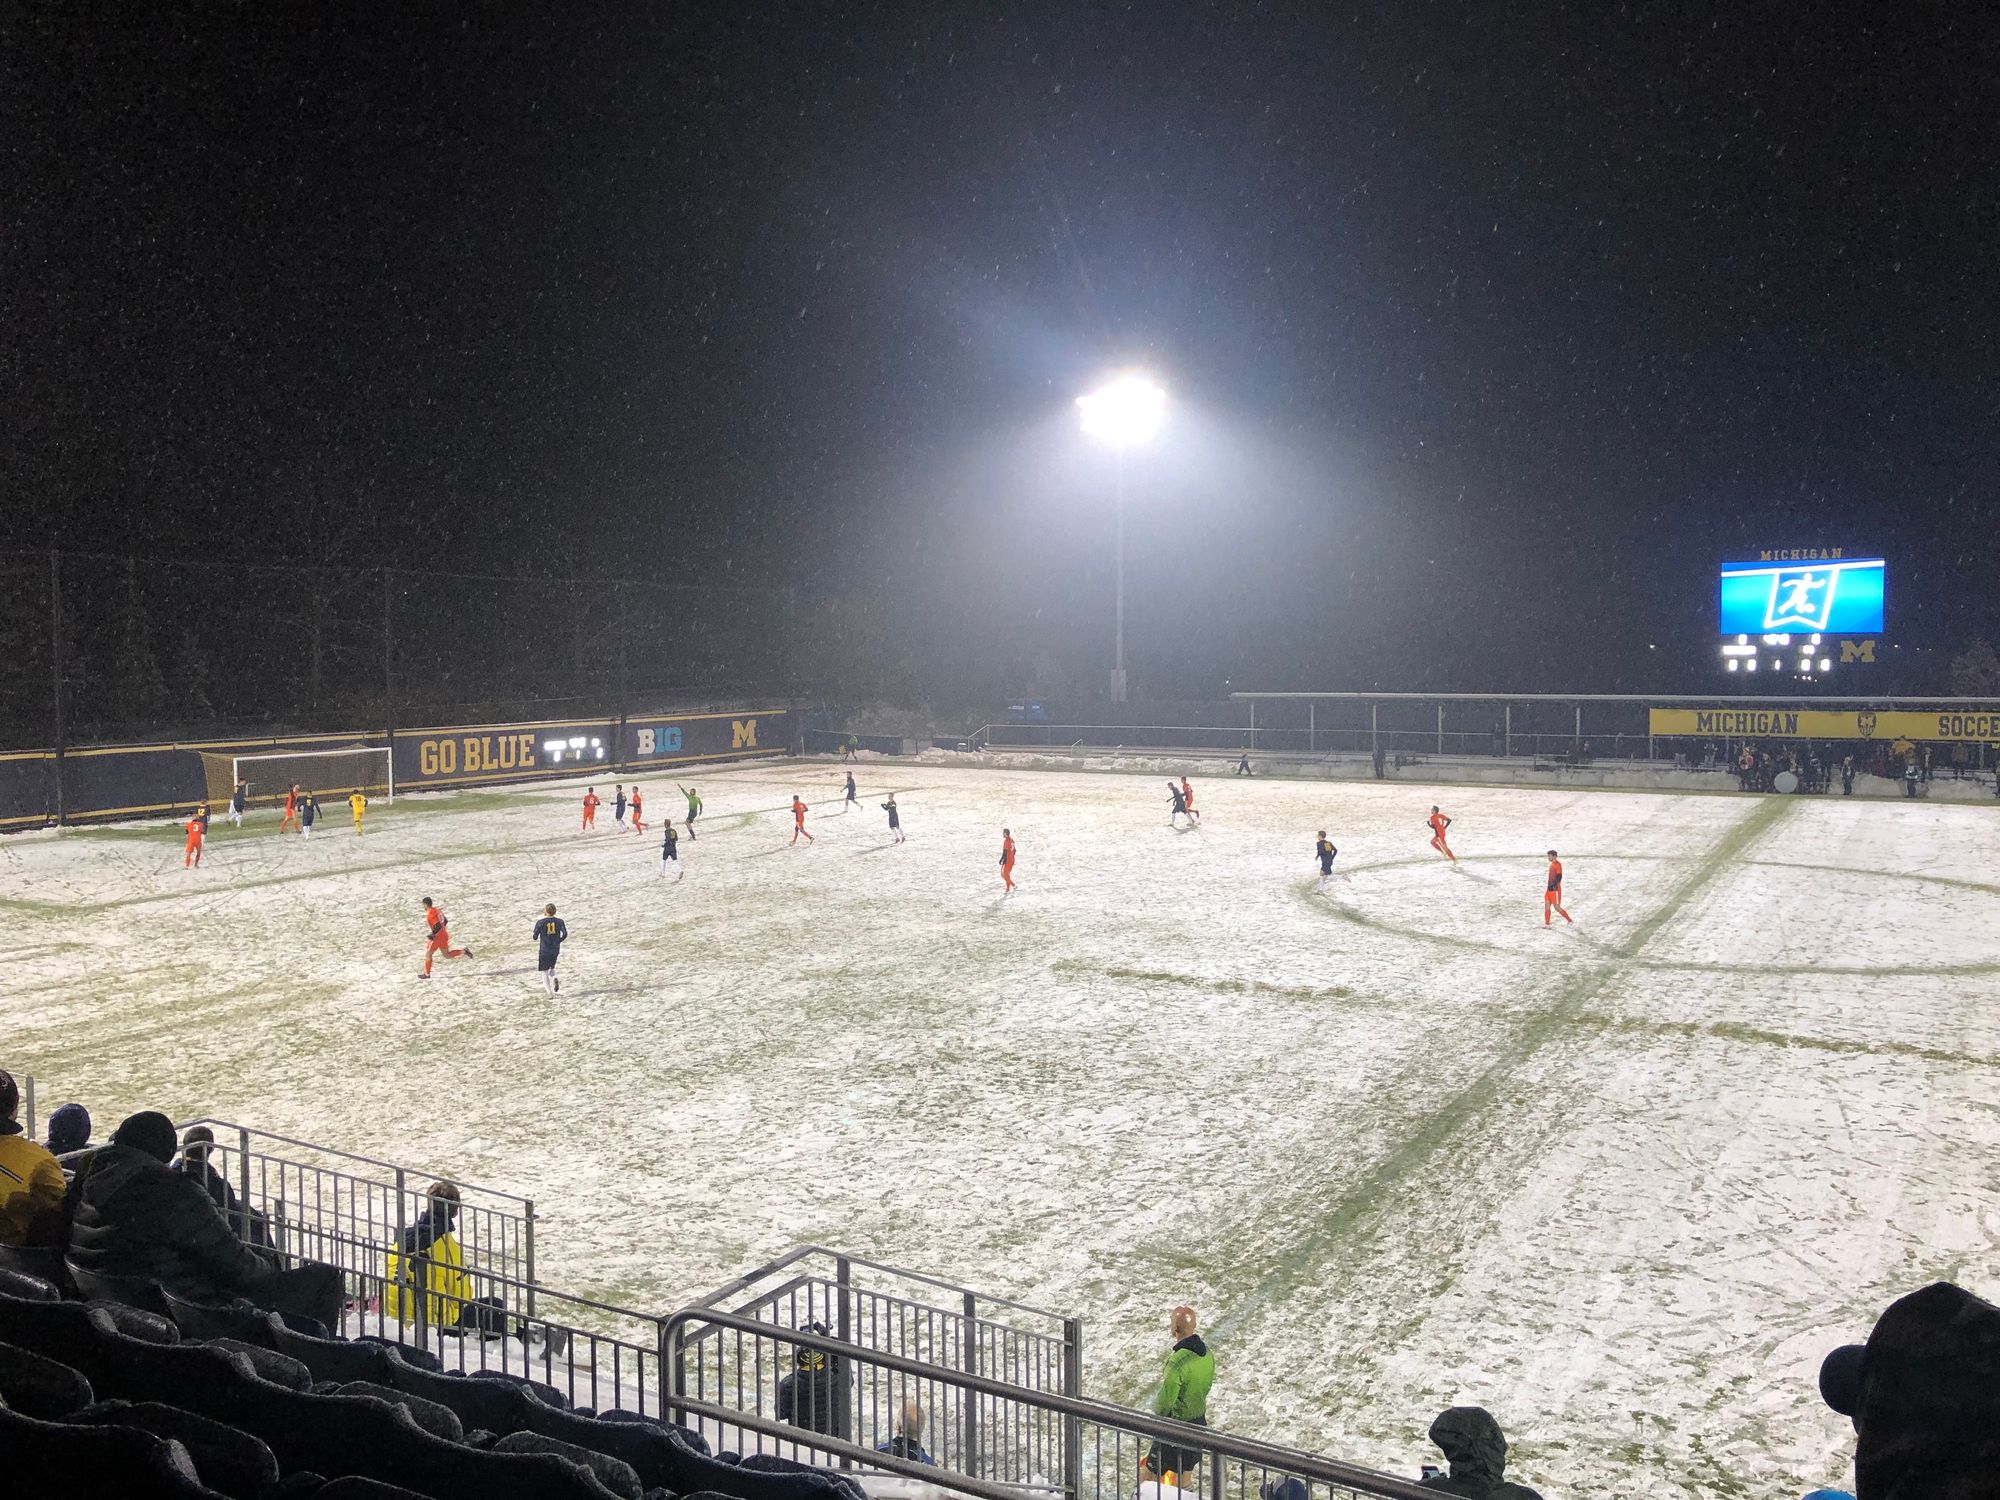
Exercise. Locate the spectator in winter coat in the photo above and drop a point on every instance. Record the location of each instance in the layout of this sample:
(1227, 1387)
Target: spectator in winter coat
(428, 1254)
(197, 1161)
(1924, 1396)
(69, 1130)
(31, 1184)
(908, 1443)
(815, 1395)
(133, 1216)
(1183, 1392)
(1471, 1440)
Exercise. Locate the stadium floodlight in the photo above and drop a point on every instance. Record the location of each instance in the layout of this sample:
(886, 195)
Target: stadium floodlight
(1750, 665)
(1124, 412)
(1826, 664)
(1731, 664)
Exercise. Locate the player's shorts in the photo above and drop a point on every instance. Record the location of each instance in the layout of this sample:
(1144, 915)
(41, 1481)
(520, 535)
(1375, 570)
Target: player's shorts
(545, 961)
(1326, 867)
(440, 940)
(674, 857)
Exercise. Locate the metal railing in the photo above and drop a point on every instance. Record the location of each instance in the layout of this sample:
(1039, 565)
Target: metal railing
(1108, 1443)
(313, 1202)
(873, 1307)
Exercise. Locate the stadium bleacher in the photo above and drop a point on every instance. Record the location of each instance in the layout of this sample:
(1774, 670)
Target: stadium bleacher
(104, 1398)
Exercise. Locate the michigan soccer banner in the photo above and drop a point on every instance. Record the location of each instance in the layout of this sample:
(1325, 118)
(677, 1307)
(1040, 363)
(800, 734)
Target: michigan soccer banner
(1976, 725)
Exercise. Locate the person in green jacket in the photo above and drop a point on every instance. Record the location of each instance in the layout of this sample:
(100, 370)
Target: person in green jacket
(1183, 1393)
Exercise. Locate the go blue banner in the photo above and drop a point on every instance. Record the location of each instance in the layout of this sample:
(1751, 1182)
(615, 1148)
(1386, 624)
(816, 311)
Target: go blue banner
(1843, 597)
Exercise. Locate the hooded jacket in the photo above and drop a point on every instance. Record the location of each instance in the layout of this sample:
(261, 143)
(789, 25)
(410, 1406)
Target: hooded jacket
(137, 1217)
(1929, 1414)
(428, 1249)
(1471, 1440)
(1185, 1384)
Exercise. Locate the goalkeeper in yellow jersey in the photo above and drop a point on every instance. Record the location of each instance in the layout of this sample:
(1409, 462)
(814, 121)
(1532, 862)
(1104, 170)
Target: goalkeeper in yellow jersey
(357, 804)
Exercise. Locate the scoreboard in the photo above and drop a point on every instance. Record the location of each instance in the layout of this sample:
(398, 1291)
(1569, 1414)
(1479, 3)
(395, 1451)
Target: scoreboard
(1800, 610)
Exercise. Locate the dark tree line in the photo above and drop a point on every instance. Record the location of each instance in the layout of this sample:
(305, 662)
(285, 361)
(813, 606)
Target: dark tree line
(185, 649)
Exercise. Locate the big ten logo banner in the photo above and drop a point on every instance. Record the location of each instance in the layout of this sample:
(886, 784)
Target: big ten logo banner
(665, 739)
(475, 754)
(743, 734)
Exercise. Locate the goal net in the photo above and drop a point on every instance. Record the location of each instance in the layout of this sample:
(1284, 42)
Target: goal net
(365, 769)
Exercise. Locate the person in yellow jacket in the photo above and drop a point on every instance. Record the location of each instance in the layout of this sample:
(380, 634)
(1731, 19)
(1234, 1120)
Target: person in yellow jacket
(31, 1184)
(357, 804)
(428, 1256)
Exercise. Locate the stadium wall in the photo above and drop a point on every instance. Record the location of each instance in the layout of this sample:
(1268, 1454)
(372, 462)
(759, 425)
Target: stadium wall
(102, 782)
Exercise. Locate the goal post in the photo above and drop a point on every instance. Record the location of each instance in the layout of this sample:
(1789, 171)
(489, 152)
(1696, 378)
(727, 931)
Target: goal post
(368, 769)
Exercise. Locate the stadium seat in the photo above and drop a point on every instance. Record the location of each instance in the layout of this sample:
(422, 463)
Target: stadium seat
(436, 1419)
(117, 1366)
(340, 1435)
(221, 1320)
(614, 1474)
(134, 1291)
(137, 1323)
(549, 1395)
(62, 1459)
(663, 1457)
(354, 1487)
(279, 1369)
(28, 1286)
(412, 1355)
(336, 1360)
(494, 1406)
(233, 1462)
(43, 1264)
(38, 1386)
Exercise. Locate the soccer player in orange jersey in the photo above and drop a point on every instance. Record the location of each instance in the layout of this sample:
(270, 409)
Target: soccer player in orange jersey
(799, 819)
(590, 806)
(440, 937)
(197, 829)
(1438, 824)
(1552, 894)
(1187, 796)
(638, 812)
(1007, 861)
(291, 817)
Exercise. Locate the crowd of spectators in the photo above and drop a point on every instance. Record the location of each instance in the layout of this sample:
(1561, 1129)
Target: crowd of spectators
(1821, 768)
(132, 1210)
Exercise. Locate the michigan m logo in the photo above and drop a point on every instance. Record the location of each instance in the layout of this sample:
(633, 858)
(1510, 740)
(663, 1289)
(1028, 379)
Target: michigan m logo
(743, 733)
(1857, 651)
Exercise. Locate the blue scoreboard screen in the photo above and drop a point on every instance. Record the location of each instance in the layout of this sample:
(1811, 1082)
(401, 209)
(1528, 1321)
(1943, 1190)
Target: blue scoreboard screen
(1841, 596)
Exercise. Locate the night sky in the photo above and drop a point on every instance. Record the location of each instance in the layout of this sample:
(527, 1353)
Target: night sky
(1490, 330)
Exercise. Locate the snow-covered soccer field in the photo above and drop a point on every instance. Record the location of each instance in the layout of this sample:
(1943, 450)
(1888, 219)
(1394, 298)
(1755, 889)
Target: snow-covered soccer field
(1624, 1184)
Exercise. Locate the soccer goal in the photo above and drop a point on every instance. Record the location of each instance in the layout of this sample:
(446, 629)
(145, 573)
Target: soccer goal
(364, 768)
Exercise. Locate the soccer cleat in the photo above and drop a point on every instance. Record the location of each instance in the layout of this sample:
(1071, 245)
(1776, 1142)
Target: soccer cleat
(558, 985)
(425, 974)
(465, 953)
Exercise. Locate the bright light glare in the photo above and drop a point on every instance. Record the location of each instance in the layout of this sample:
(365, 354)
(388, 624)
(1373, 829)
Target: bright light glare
(1825, 664)
(1125, 411)
(1750, 665)
(1731, 664)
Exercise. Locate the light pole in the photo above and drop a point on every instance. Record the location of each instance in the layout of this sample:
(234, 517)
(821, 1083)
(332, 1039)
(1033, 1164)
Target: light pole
(1122, 413)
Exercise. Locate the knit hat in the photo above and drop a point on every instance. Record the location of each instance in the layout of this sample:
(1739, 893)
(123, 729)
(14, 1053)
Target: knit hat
(1840, 1377)
(148, 1131)
(69, 1129)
